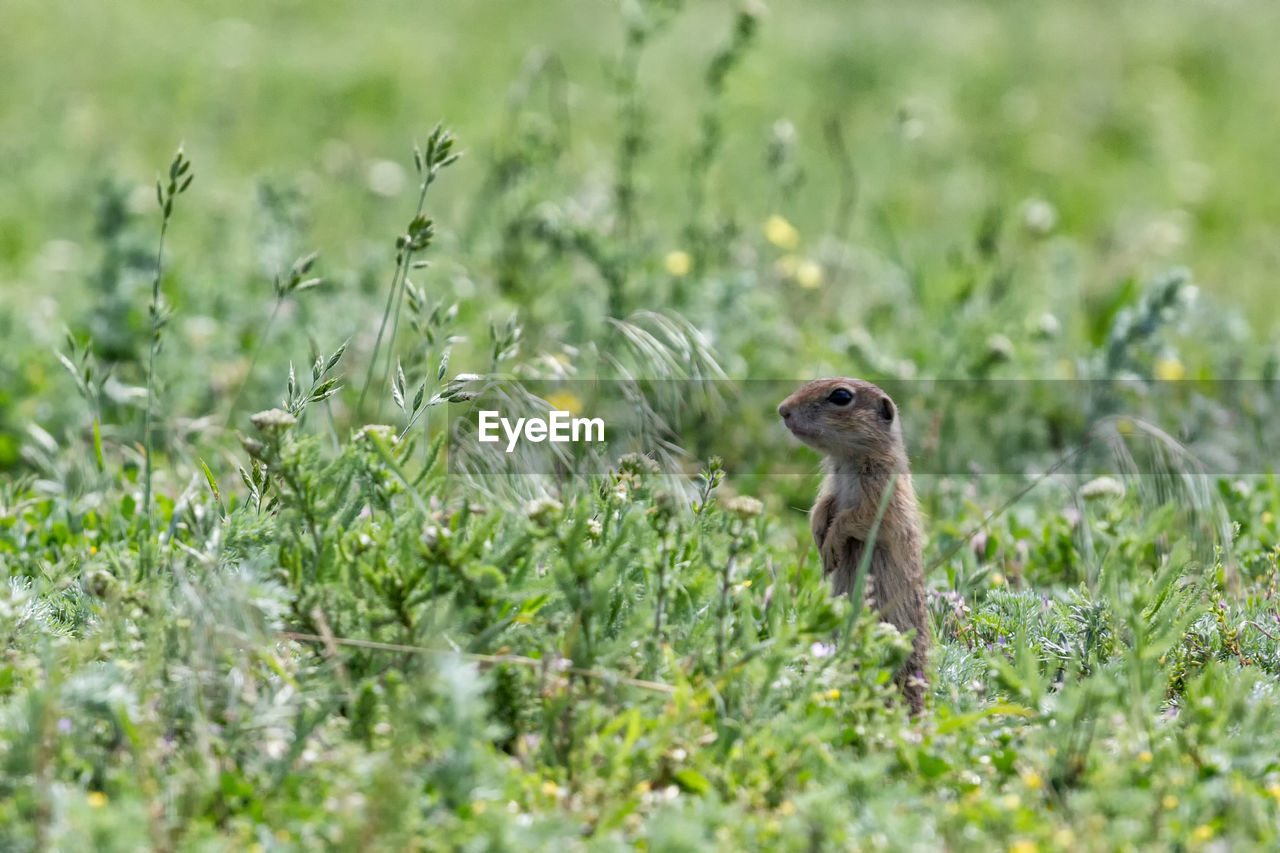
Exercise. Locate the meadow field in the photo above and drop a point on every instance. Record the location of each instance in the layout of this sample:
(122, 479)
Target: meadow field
(261, 264)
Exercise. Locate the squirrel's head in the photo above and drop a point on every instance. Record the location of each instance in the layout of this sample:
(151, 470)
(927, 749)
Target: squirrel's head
(844, 418)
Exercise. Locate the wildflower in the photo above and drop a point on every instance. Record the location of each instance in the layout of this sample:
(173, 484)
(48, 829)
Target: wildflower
(787, 809)
(433, 534)
(543, 511)
(1038, 216)
(550, 789)
(833, 694)
(999, 348)
(745, 508)
(1146, 757)
(637, 464)
(565, 401)
(1048, 326)
(1023, 845)
(665, 506)
(1032, 780)
(997, 579)
(678, 263)
(1102, 487)
(781, 233)
(808, 275)
(1169, 369)
(382, 431)
(273, 420)
(96, 799)
(1203, 832)
(821, 650)
(1011, 801)
(1170, 802)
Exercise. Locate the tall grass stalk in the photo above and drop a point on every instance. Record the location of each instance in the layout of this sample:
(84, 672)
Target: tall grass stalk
(428, 161)
(180, 177)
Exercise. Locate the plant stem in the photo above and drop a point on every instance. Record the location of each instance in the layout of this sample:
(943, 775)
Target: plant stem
(394, 294)
(151, 374)
(726, 575)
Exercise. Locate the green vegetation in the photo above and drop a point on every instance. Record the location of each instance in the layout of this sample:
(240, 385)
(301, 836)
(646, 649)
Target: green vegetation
(257, 599)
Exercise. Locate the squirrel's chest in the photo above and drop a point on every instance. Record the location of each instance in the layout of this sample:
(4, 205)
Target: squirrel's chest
(846, 492)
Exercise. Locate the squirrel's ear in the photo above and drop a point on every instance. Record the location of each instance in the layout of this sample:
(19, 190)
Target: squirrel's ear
(886, 409)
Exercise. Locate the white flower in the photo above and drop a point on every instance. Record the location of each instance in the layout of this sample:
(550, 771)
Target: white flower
(744, 507)
(1038, 216)
(273, 420)
(1102, 487)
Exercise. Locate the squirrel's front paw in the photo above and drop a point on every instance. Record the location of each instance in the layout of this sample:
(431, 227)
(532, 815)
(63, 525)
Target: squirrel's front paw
(832, 555)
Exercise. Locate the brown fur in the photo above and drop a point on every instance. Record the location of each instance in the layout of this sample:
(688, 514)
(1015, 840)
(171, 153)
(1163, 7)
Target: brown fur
(863, 443)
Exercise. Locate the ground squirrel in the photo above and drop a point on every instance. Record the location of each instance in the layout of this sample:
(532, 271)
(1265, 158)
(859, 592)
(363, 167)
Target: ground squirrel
(856, 425)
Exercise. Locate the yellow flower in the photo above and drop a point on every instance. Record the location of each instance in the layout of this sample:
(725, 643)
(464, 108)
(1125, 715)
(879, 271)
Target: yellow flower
(1169, 369)
(1023, 846)
(1170, 802)
(781, 233)
(1274, 790)
(96, 799)
(1267, 518)
(551, 789)
(809, 275)
(565, 401)
(1011, 801)
(997, 579)
(678, 263)
(1145, 756)
(1203, 832)
(787, 809)
(1032, 780)
(833, 694)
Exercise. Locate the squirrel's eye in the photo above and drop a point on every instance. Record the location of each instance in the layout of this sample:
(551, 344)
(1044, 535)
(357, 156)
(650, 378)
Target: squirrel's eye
(840, 396)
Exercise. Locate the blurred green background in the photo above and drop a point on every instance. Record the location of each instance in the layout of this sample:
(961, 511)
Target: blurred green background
(1147, 126)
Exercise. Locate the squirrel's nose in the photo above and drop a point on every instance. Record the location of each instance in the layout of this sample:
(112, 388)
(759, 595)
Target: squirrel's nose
(784, 410)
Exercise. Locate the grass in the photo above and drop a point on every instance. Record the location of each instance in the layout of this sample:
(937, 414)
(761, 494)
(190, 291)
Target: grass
(259, 595)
